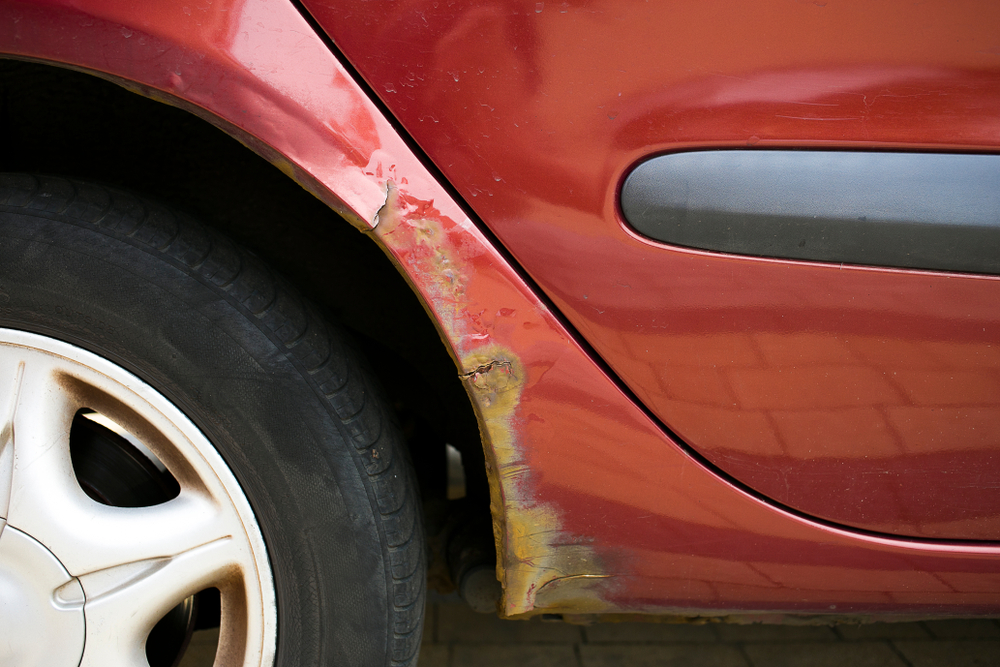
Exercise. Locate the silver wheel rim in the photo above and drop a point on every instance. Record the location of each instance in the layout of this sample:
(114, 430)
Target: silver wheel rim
(124, 568)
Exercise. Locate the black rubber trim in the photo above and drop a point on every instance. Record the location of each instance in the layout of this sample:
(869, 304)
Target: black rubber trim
(912, 210)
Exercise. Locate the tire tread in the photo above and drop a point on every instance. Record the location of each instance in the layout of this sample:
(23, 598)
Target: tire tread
(319, 350)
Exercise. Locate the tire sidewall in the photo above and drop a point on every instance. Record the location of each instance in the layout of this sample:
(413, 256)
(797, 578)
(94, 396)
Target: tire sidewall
(106, 293)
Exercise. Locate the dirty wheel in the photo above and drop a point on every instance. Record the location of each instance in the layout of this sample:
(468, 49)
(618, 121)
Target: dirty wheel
(176, 424)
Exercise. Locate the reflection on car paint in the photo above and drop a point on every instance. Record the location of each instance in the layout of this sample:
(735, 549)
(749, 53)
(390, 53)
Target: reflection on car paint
(537, 118)
(535, 551)
(599, 510)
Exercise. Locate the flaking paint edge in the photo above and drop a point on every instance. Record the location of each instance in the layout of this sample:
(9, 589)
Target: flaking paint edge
(541, 568)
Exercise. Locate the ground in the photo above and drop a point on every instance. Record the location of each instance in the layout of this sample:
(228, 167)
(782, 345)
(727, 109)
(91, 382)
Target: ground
(457, 637)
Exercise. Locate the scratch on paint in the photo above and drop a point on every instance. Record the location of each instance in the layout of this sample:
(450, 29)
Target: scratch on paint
(486, 368)
(559, 580)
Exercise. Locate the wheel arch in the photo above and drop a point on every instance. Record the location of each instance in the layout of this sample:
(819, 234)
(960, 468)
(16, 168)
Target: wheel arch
(274, 86)
(74, 95)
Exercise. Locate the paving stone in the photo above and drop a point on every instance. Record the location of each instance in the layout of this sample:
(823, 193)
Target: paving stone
(760, 632)
(457, 623)
(823, 654)
(648, 633)
(965, 628)
(883, 631)
(433, 655)
(466, 639)
(951, 653)
(523, 655)
(652, 655)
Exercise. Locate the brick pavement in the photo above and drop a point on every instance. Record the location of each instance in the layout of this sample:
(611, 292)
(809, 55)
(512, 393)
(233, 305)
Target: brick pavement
(454, 636)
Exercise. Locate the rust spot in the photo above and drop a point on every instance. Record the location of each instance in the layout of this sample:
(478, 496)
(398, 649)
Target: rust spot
(539, 566)
(543, 569)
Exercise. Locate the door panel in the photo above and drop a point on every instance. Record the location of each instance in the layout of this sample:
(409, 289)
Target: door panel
(866, 396)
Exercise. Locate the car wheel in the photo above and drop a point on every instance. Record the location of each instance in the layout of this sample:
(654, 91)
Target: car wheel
(175, 421)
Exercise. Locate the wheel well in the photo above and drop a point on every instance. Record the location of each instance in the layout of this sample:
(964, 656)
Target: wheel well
(63, 122)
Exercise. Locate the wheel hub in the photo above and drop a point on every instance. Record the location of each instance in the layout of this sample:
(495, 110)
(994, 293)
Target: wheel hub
(90, 564)
(41, 605)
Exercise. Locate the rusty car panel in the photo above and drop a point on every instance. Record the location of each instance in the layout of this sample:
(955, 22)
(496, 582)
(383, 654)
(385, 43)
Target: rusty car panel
(596, 508)
(868, 396)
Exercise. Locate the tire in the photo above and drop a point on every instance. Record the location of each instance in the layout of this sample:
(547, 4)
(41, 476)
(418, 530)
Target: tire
(166, 327)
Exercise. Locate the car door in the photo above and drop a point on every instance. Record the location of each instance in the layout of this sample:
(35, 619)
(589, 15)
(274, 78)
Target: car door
(852, 386)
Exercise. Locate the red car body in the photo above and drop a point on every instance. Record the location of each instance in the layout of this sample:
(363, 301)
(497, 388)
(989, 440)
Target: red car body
(667, 430)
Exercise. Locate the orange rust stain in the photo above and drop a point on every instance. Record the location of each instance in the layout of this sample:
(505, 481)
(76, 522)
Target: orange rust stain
(541, 567)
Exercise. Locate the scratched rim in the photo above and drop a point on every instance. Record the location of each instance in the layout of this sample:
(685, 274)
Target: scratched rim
(133, 564)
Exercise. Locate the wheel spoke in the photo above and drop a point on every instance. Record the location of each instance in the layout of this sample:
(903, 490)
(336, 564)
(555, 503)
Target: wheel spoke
(11, 371)
(97, 537)
(39, 416)
(131, 565)
(125, 602)
(46, 500)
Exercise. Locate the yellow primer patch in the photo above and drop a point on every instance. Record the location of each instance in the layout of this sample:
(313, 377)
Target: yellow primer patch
(543, 569)
(540, 568)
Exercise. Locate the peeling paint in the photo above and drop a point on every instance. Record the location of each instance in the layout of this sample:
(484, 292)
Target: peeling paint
(539, 567)
(542, 568)
(486, 368)
(296, 106)
(390, 200)
(415, 240)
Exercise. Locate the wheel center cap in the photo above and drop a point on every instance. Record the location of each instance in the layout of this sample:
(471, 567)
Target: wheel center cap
(41, 605)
